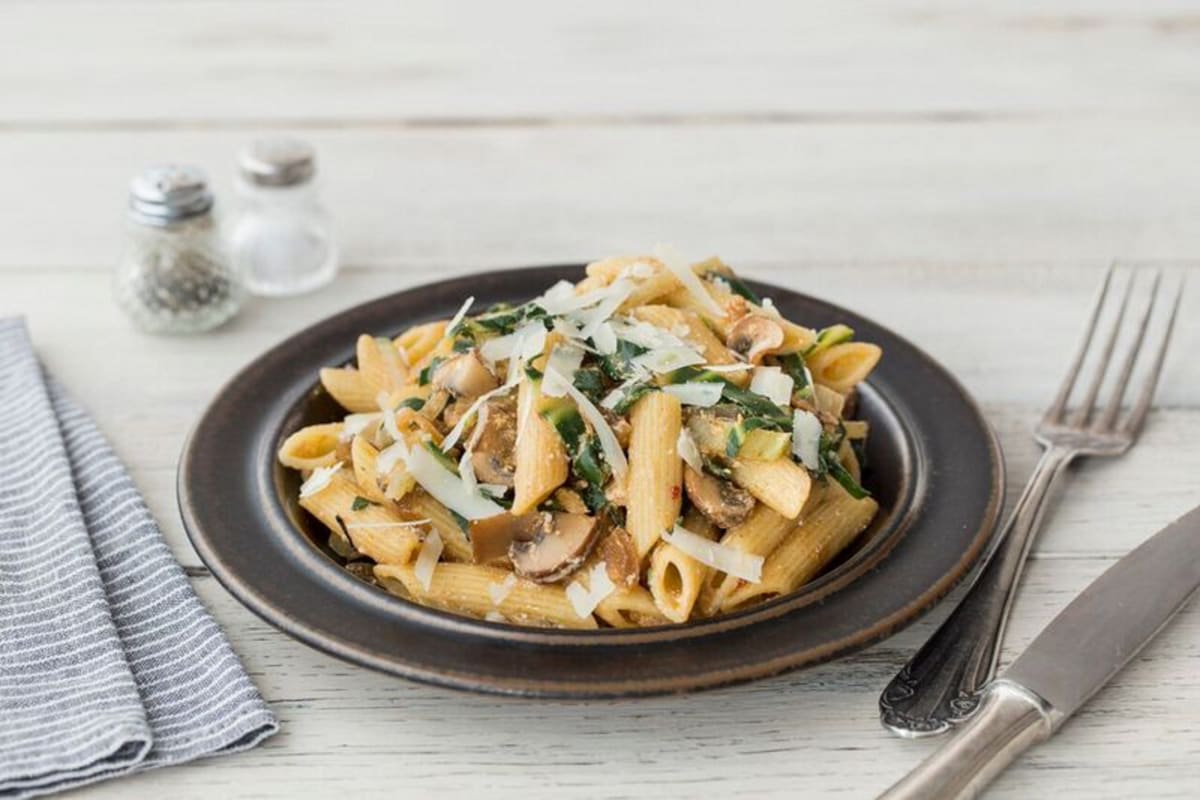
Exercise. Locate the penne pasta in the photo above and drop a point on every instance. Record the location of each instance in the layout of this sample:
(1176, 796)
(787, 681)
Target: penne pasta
(380, 532)
(808, 548)
(655, 469)
(841, 367)
(526, 463)
(541, 458)
(470, 589)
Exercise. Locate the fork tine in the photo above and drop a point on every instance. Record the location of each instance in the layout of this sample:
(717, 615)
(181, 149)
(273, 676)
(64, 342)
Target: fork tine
(1064, 391)
(1080, 417)
(1137, 416)
(1106, 419)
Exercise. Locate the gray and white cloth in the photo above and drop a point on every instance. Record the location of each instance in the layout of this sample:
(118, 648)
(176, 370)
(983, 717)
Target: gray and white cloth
(109, 664)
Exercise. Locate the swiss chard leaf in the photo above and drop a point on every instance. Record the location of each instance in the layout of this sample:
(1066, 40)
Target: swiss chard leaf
(426, 374)
(755, 405)
(616, 364)
(361, 502)
(737, 434)
(793, 366)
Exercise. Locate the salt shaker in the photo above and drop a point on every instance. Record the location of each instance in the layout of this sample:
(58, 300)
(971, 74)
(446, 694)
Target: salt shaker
(174, 275)
(283, 241)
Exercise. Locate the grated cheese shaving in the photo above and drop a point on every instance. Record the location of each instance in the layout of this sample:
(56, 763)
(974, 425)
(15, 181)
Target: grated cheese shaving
(806, 438)
(613, 295)
(605, 339)
(458, 315)
(585, 599)
(667, 359)
(720, 557)
(728, 367)
(427, 559)
(771, 383)
(388, 409)
(319, 479)
(700, 393)
(447, 488)
(457, 431)
(408, 523)
(495, 616)
(688, 451)
(354, 424)
(390, 456)
(604, 432)
(682, 270)
(499, 591)
(564, 361)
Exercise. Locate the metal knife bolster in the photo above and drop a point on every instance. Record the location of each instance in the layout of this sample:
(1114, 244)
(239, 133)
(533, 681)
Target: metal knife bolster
(1010, 719)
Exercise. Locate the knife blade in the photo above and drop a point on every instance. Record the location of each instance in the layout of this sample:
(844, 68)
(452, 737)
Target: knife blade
(1078, 652)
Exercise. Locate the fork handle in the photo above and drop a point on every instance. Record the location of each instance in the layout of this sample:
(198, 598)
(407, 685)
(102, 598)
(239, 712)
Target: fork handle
(939, 687)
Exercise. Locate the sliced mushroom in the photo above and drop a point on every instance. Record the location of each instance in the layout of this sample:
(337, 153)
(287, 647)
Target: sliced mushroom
(569, 500)
(465, 376)
(491, 537)
(709, 428)
(493, 442)
(721, 501)
(556, 549)
(620, 557)
(754, 336)
(619, 424)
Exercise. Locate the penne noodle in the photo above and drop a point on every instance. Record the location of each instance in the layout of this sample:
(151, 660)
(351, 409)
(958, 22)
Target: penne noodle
(655, 469)
(417, 344)
(841, 367)
(420, 505)
(541, 459)
(781, 484)
(825, 533)
(379, 364)
(349, 389)
(675, 578)
(761, 533)
(383, 535)
(630, 608)
(467, 589)
(311, 447)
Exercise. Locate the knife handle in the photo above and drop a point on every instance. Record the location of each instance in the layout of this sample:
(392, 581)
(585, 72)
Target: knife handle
(1010, 720)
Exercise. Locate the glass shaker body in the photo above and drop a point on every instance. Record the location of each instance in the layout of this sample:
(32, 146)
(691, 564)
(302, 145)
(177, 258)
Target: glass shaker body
(174, 275)
(282, 242)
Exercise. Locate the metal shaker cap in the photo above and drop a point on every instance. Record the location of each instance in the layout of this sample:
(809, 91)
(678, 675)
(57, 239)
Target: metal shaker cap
(168, 193)
(277, 161)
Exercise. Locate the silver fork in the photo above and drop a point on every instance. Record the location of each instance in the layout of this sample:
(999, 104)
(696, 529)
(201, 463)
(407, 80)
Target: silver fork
(939, 687)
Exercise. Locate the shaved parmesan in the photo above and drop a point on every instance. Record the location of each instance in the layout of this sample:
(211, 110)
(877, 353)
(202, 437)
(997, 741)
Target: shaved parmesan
(721, 557)
(644, 334)
(768, 305)
(770, 382)
(354, 424)
(615, 294)
(682, 270)
(458, 316)
(700, 393)
(427, 559)
(388, 408)
(806, 438)
(667, 359)
(720, 282)
(688, 451)
(585, 599)
(604, 432)
(525, 342)
(728, 367)
(499, 591)
(390, 455)
(494, 489)
(495, 616)
(558, 299)
(320, 478)
(408, 523)
(447, 488)
(466, 471)
(638, 269)
(605, 339)
(457, 431)
(564, 361)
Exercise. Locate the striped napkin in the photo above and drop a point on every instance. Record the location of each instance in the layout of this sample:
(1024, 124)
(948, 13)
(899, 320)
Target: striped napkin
(109, 664)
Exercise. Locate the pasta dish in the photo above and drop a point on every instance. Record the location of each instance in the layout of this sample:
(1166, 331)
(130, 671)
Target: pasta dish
(654, 444)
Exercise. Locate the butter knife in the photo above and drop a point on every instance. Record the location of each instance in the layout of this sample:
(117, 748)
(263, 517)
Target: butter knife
(1078, 652)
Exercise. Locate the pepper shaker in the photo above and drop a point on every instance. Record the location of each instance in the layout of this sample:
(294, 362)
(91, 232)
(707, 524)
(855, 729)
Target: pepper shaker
(174, 275)
(283, 241)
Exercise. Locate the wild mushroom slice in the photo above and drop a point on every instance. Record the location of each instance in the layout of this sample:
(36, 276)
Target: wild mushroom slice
(492, 537)
(754, 336)
(493, 443)
(617, 551)
(465, 376)
(557, 549)
(721, 501)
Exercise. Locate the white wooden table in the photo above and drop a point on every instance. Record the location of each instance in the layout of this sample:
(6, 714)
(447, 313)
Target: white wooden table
(959, 173)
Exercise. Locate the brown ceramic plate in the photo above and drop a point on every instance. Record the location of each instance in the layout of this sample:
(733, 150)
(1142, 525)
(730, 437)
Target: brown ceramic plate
(934, 465)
